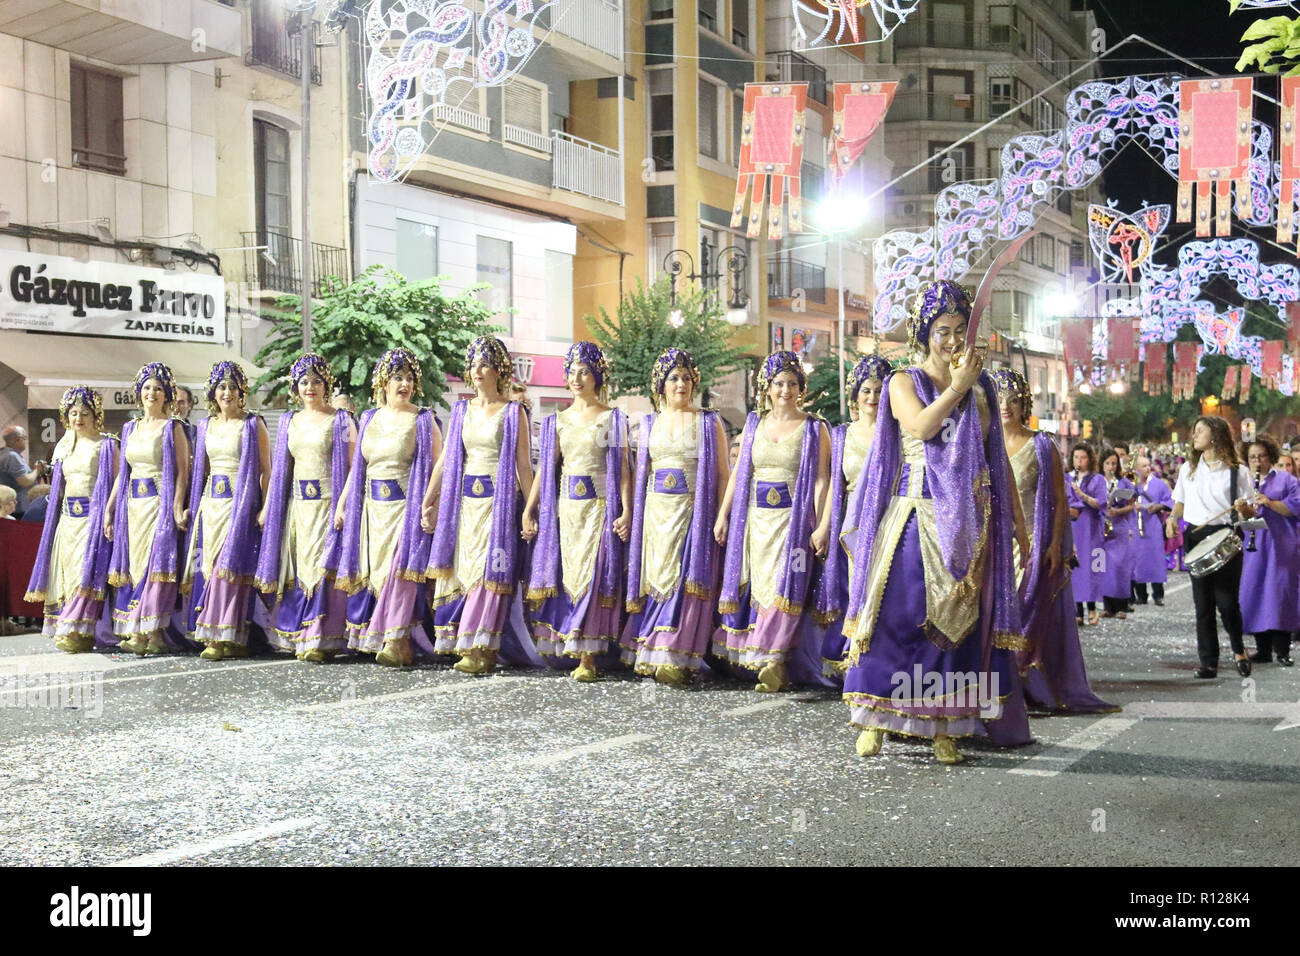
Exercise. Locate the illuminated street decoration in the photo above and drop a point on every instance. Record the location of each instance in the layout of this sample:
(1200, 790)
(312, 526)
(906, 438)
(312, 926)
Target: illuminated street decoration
(859, 109)
(1124, 241)
(823, 16)
(1214, 125)
(1290, 160)
(771, 147)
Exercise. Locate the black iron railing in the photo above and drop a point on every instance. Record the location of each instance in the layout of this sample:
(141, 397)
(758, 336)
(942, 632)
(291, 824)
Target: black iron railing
(794, 67)
(277, 44)
(278, 266)
(787, 275)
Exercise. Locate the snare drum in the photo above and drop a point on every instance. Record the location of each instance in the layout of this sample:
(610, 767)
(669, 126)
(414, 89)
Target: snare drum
(1213, 553)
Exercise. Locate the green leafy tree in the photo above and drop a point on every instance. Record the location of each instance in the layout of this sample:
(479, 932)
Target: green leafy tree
(1273, 44)
(641, 332)
(823, 396)
(354, 323)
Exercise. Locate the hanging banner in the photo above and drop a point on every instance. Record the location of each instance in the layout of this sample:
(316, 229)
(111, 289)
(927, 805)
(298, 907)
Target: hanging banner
(1214, 126)
(771, 147)
(1245, 384)
(1077, 336)
(1290, 160)
(1187, 356)
(859, 109)
(1155, 368)
(1123, 352)
(1271, 363)
(1229, 391)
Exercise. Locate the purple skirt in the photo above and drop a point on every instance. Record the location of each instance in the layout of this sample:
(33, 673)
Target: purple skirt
(565, 628)
(318, 623)
(145, 610)
(1052, 669)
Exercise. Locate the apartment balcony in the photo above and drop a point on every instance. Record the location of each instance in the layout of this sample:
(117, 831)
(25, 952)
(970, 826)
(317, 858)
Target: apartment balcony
(787, 276)
(128, 33)
(792, 67)
(278, 268)
(957, 108)
(588, 35)
(950, 33)
(586, 168)
(278, 47)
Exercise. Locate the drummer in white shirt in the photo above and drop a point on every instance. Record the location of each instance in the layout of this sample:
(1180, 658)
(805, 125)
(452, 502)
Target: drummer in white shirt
(1204, 498)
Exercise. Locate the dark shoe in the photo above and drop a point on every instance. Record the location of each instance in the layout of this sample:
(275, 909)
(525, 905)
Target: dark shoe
(1160, 602)
(1285, 662)
(1140, 603)
(1205, 673)
(1243, 667)
(1259, 657)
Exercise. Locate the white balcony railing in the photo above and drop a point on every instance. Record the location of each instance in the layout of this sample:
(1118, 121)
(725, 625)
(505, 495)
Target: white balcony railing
(588, 168)
(466, 119)
(594, 23)
(526, 138)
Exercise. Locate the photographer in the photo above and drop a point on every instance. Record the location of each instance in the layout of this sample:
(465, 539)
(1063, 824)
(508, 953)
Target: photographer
(14, 471)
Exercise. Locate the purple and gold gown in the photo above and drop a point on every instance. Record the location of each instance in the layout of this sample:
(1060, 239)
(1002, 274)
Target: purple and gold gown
(1269, 598)
(1149, 560)
(848, 455)
(1117, 579)
(1088, 531)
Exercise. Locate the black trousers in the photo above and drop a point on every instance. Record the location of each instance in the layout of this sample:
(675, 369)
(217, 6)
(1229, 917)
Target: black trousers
(1157, 591)
(1215, 592)
(1272, 644)
(1115, 605)
(1078, 607)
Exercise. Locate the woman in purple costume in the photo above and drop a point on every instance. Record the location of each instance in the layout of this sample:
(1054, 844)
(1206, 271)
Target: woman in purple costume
(580, 511)
(472, 509)
(300, 547)
(232, 465)
(770, 523)
(71, 571)
(384, 552)
(145, 514)
(1085, 495)
(1155, 501)
(1121, 502)
(931, 653)
(1270, 600)
(850, 445)
(673, 563)
(1052, 665)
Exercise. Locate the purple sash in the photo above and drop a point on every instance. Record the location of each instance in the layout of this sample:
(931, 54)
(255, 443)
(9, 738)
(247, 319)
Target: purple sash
(94, 562)
(239, 554)
(828, 604)
(163, 553)
(503, 537)
(413, 545)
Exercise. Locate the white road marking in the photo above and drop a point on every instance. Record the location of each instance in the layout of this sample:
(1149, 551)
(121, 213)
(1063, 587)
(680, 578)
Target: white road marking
(402, 694)
(57, 662)
(188, 672)
(1217, 710)
(1075, 747)
(239, 838)
(611, 743)
(1178, 587)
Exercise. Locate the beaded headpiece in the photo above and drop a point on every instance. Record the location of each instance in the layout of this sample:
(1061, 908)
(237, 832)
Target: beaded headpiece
(164, 375)
(395, 360)
(774, 365)
(670, 359)
(494, 351)
(590, 355)
(82, 395)
(221, 372)
(872, 366)
(1009, 380)
(938, 298)
(310, 363)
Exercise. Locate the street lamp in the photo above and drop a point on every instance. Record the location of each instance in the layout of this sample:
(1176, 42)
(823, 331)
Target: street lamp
(840, 214)
(729, 261)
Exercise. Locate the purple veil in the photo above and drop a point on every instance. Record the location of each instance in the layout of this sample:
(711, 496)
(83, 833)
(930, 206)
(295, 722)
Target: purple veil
(699, 537)
(544, 579)
(792, 590)
(1038, 592)
(163, 555)
(413, 546)
(953, 461)
(238, 558)
(94, 563)
(279, 492)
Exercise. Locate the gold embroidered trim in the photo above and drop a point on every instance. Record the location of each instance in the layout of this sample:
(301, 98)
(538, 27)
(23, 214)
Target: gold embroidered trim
(859, 645)
(863, 699)
(34, 597)
(1010, 641)
(905, 733)
(536, 596)
(728, 607)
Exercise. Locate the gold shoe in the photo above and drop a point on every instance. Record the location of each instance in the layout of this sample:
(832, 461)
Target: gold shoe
(469, 664)
(584, 673)
(79, 644)
(771, 678)
(61, 643)
(231, 649)
(669, 674)
(945, 751)
(313, 657)
(396, 652)
(488, 662)
(126, 644)
(211, 653)
(869, 742)
(155, 647)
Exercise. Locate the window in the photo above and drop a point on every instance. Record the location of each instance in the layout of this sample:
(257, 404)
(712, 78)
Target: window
(660, 244)
(1076, 254)
(495, 268)
(951, 95)
(1044, 115)
(523, 104)
(1000, 96)
(417, 249)
(1022, 310)
(660, 84)
(660, 10)
(710, 118)
(1045, 252)
(98, 141)
(1065, 203)
(271, 175)
(953, 166)
(1000, 29)
(1062, 257)
(709, 14)
(463, 104)
(740, 23)
(1043, 48)
(737, 126)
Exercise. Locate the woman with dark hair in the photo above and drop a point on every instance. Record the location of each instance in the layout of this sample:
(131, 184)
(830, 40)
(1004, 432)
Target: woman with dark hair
(1209, 485)
(1086, 497)
(672, 572)
(1117, 579)
(1270, 598)
(232, 466)
(770, 523)
(933, 596)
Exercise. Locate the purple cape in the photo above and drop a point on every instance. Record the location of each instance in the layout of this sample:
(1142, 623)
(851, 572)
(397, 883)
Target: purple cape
(94, 563)
(792, 589)
(1149, 545)
(1039, 591)
(503, 537)
(413, 545)
(544, 581)
(238, 558)
(1270, 597)
(698, 578)
(163, 560)
(1087, 530)
(280, 492)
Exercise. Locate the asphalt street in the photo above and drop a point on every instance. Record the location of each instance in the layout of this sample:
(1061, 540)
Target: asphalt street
(108, 758)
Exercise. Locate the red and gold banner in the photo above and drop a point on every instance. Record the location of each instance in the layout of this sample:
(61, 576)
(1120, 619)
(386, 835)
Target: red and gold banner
(1229, 391)
(1155, 368)
(1214, 130)
(1245, 384)
(859, 109)
(1077, 336)
(771, 147)
(1186, 356)
(1290, 157)
(1270, 368)
(1123, 355)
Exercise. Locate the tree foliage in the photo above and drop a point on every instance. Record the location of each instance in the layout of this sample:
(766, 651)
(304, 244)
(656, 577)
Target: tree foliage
(823, 397)
(1273, 45)
(354, 323)
(641, 332)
